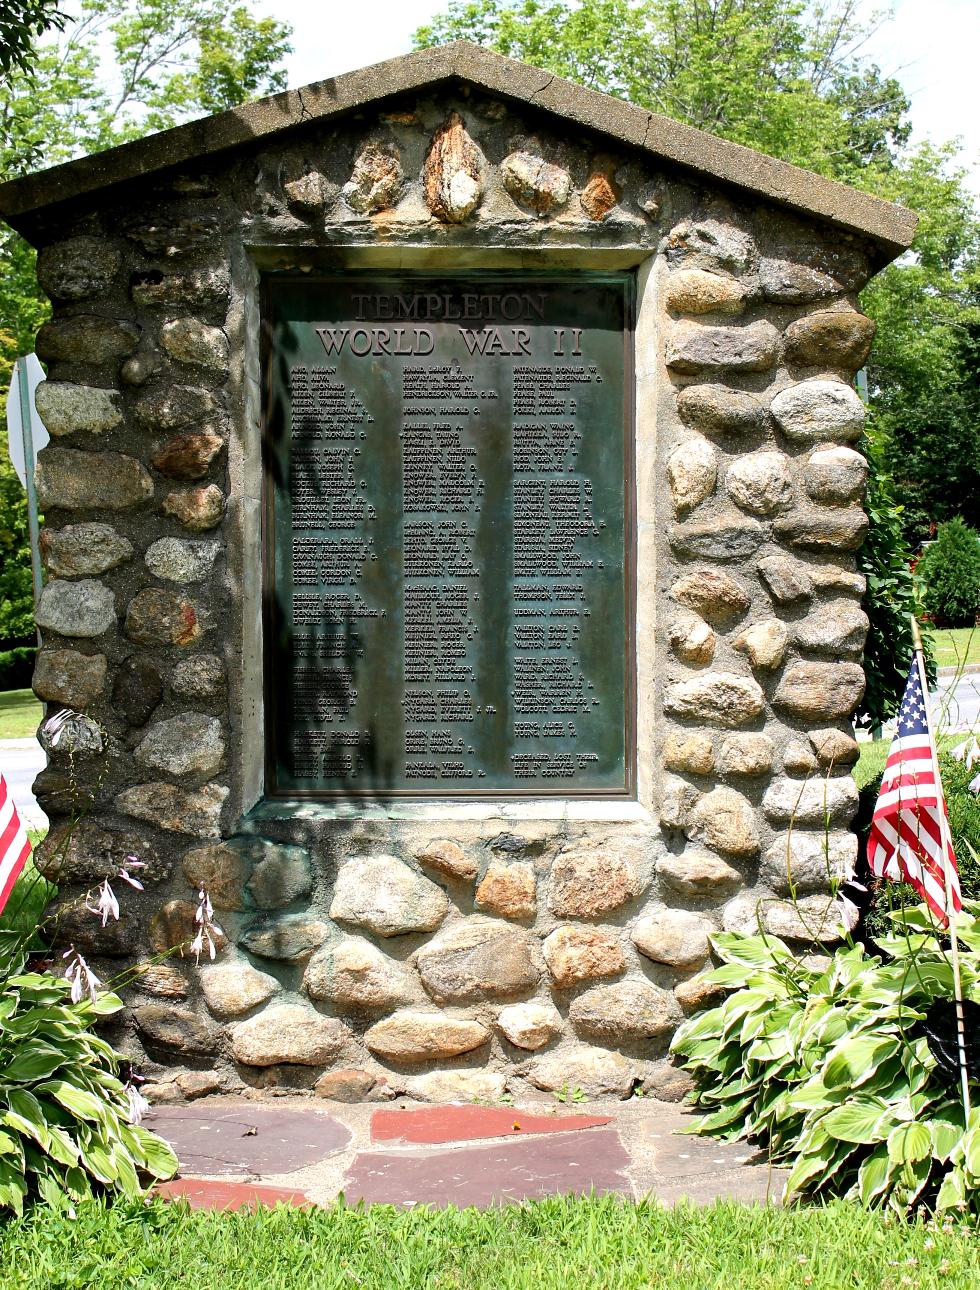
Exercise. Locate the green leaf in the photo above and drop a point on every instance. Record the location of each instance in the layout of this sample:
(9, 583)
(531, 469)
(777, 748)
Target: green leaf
(73, 1099)
(909, 1142)
(36, 1063)
(952, 1193)
(874, 1176)
(855, 1060)
(856, 1120)
(157, 1154)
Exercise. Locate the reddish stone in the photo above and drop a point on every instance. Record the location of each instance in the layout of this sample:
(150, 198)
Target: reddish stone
(465, 1123)
(188, 456)
(201, 1193)
(497, 1173)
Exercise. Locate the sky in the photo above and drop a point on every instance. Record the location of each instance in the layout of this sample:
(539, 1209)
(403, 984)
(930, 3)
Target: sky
(930, 45)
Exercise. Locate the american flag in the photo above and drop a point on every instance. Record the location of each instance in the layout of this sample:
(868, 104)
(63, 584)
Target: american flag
(14, 846)
(906, 840)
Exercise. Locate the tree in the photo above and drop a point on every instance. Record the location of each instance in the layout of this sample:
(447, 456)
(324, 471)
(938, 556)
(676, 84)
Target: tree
(950, 575)
(21, 22)
(170, 60)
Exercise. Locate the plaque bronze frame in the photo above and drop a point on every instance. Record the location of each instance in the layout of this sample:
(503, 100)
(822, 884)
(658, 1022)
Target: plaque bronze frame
(270, 284)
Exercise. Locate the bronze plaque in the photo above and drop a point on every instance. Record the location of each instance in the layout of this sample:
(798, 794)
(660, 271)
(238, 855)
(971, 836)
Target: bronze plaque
(448, 535)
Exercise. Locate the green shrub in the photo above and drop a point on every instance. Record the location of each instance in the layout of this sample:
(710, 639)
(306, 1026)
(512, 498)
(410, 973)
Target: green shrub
(830, 1069)
(949, 572)
(17, 667)
(890, 599)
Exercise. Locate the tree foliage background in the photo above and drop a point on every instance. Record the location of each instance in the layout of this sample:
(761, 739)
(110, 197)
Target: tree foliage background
(101, 73)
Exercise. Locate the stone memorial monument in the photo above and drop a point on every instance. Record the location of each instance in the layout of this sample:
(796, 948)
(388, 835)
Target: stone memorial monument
(450, 518)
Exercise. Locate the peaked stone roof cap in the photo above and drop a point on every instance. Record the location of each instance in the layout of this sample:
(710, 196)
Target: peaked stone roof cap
(701, 154)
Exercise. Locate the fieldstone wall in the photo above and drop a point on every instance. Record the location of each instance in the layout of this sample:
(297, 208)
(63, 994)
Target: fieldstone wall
(446, 949)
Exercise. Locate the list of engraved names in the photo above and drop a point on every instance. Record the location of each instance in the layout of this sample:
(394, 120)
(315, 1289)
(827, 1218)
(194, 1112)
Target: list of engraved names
(449, 493)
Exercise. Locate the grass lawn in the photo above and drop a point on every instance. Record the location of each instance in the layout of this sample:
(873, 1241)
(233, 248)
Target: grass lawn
(556, 1244)
(20, 714)
(956, 645)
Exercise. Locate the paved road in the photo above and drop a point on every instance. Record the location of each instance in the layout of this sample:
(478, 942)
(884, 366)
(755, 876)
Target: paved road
(20, 760)
(962, 703)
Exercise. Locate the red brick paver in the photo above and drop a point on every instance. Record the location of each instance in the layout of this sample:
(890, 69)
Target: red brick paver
(201, 1193)
(432, 1124)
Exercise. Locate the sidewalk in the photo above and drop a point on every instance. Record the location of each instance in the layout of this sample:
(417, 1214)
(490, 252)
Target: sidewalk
(236, 1152)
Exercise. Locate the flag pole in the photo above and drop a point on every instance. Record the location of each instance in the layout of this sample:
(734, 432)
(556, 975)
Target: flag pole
(947, 846)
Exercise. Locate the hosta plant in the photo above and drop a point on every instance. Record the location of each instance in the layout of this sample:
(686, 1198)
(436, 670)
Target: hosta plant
(828, 1065)
(66, 1119)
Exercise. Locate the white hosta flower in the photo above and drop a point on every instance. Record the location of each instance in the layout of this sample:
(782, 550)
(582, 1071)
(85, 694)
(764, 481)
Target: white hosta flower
(974, 784)
(83, 979)
(968, 752)
(131, 862)
(107, 906)
(207, 928)
(53, 728)
(138, 1105)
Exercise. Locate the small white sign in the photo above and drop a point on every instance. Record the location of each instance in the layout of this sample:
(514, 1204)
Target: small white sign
(27, 376)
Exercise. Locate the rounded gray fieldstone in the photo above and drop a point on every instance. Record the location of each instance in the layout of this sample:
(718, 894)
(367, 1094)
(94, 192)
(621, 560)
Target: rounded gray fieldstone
(534, 183)
(746, 754)
(290, 937)
(190, 341)
(718, 698)
(588, 884)
(85, 852)
(529, 1025)
(836, 627)
(70, 480)
(690, 752)
(694, 347)
(77, 267)
(805, 862)
(188, 744)
(712, 593)
(835, 475)
(310, 192)
(823, 528)
(65, 676)
(786, 579)
(676, 800)
(812, 801)
(710, 244)
(816, 918)
(83, 550)
(477, 959)
(383, 894)
(200, 677)
(814, 410)
(233, 988)
(178, 1029)
(798, 758)
(85, 338)
(577, 954)
(763, 644)
(696, 872)
(628, 1010)
(834, 748)
(376, 180)
(179, 560)
(692, 470)
(761, 482)
(723, 537)
(84, 609)
(195, 811)
(691, 638)
(223, 869)
(674, 937)
(137, 689)
(205, 289)
(287, 1032)
(695, 291)
(820, 691)
(718, 409)
(448, 858)
(138, 368)
(66, 409)
(458, 1086)
(830, 338)
(725, 821)
(174, 407)
(595, 1072)
(353, 974)
(414, 1035)
(281, 874)
(77, 736)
